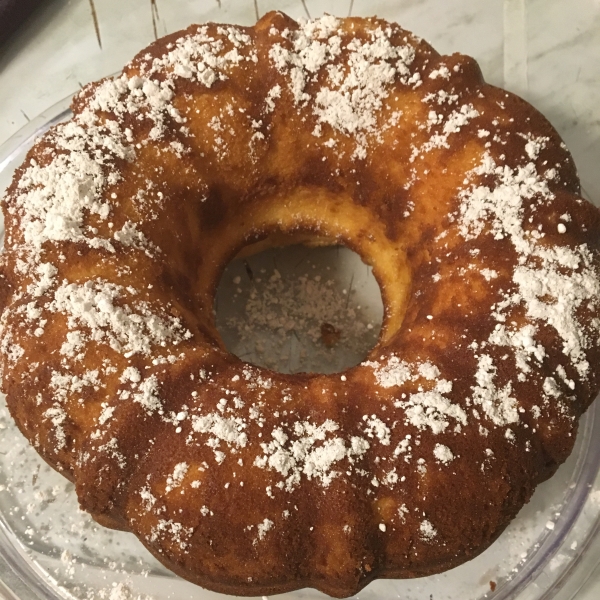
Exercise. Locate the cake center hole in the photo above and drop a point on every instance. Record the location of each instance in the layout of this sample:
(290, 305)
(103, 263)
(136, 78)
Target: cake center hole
(300, 309)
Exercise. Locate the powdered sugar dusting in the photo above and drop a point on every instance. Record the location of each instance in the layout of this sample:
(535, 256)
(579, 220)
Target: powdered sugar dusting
(425, 409)
(552, 282)
(350, 98)
(443, 454)
(309, 450)
(93, 306)
(428, 531)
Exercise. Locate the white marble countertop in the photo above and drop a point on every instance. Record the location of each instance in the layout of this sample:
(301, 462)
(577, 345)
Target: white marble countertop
(546, 50)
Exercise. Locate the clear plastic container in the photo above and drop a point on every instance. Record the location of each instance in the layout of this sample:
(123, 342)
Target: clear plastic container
(541, 49)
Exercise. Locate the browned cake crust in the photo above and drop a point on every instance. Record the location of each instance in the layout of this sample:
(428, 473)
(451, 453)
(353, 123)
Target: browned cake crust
(353, 131)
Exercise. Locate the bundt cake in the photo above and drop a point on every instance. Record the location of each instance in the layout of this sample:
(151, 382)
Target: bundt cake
(331, 131)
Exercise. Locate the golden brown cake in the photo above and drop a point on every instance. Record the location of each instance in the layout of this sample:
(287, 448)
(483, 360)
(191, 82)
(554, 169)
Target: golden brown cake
(349, 131)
